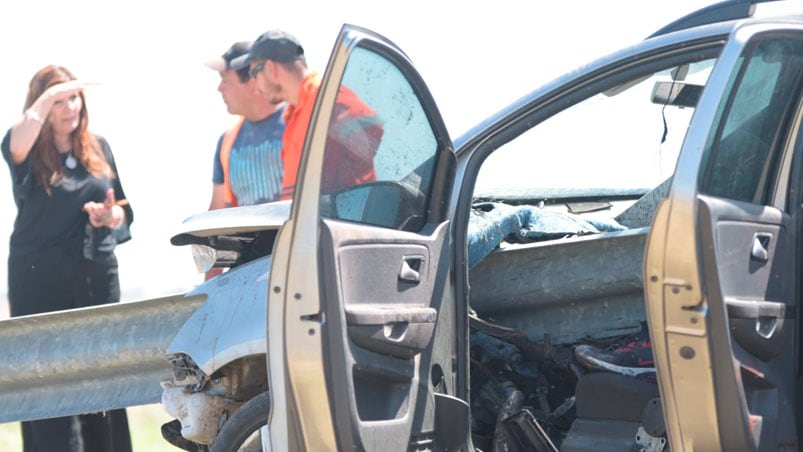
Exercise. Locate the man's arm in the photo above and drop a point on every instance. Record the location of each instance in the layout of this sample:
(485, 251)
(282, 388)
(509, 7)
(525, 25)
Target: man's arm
(218, 201)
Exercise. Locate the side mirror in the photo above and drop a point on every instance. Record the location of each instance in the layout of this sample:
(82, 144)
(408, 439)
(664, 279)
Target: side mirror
(375, 203)
(382, 203)
(679, 94)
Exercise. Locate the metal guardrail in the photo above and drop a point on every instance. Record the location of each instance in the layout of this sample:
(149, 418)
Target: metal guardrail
(90, 359)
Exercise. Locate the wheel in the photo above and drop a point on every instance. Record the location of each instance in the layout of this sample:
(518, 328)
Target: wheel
(242, 431)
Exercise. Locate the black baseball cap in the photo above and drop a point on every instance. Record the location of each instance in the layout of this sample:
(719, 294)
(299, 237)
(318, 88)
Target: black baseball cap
(223, 62)
(275, 45)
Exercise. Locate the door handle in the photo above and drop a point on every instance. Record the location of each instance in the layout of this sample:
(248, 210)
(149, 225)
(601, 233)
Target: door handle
(402, 331)
(411, 269)
(760, 249)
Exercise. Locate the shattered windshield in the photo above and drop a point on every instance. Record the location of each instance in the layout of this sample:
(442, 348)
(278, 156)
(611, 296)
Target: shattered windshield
(622, 139)
(601, 165)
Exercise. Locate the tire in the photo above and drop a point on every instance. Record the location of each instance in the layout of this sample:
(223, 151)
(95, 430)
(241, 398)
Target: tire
(246, 421)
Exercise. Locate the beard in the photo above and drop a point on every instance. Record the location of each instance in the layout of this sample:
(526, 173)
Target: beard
(272, 92)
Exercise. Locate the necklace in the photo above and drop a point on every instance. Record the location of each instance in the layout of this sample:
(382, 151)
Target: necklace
(70, 161)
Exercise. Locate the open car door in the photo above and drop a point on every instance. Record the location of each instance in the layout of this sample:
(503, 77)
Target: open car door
(722, 267)
(362, 325)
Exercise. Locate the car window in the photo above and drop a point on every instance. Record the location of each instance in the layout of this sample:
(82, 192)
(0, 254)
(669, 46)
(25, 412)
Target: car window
(745, 146)
(379, 148)
(602, 164)
(618, 142)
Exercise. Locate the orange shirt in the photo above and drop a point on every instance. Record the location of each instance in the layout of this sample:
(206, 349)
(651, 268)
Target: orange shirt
(229, 137)
(354, 137)
(296, 119)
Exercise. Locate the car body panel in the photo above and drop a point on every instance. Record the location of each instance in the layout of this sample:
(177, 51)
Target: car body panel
(723, 305)
(362, 348)
(232, 298)
(573, 88)
(336, 367)
(233, 220)
(230, 324)
(361, 357)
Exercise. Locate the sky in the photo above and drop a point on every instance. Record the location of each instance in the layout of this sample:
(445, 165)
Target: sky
(158, 105)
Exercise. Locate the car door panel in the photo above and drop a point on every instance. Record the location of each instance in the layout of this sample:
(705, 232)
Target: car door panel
(361, 302)
(735, 284)
(722, 277)
(386, 261)
(757, 296)
(387, 328)
(384, 311)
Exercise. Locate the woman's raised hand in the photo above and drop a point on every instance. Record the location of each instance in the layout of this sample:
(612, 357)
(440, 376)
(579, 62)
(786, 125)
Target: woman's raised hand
(25, 131)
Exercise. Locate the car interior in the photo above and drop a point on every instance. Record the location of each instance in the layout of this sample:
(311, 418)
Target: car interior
(544, 297)
(555, 269)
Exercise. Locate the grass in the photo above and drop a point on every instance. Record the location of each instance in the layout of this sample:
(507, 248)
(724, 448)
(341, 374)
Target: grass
(145, 422)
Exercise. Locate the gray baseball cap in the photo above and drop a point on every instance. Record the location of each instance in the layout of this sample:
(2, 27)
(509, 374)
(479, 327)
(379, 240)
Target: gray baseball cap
(275, 45)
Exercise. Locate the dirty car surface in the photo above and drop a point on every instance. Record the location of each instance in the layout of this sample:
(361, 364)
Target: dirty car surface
(452, 301)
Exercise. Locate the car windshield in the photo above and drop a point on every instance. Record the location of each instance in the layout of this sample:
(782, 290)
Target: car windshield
(624, 139)
(600, 165)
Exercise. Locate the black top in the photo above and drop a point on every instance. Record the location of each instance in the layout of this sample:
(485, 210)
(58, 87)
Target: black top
(56, 220)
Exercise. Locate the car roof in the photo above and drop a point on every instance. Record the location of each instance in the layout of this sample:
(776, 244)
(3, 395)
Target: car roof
(681, 31)
(718, 12)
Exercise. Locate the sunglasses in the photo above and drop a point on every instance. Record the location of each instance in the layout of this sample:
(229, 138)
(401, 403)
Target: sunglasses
(254, 70)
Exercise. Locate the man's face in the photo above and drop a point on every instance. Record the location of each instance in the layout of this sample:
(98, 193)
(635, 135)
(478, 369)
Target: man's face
(268, 85)
(236, 94)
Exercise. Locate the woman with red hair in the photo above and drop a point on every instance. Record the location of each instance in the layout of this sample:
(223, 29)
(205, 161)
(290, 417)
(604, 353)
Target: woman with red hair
(71, 213)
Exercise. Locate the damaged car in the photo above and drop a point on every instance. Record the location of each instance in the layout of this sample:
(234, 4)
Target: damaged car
(609, 263)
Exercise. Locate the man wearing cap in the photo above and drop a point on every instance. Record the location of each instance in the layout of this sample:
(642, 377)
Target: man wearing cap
(247, 165)
(276, 61)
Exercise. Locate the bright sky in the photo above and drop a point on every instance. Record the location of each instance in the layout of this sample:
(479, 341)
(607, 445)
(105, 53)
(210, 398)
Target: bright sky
(158, 105)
